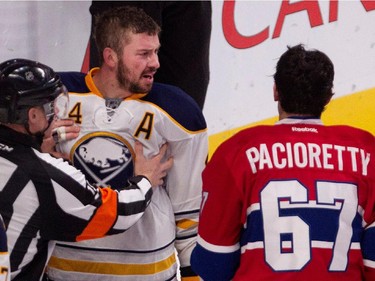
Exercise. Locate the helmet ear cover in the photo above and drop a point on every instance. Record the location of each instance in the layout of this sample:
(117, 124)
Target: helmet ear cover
(25, 84)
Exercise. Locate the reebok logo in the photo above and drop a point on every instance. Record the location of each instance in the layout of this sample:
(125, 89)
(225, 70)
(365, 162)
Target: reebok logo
(305, 129)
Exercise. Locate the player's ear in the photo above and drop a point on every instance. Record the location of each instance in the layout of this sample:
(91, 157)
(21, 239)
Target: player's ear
(33, 114)
(275, 93)
(330, 96)
(110, 57)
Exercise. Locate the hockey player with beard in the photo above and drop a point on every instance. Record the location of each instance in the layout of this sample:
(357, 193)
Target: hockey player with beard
(115, 106)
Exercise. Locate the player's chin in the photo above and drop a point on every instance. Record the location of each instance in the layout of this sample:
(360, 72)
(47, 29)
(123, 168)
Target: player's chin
(147, 85)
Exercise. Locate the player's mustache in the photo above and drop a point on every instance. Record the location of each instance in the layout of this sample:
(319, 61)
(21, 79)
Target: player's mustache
(151, 70)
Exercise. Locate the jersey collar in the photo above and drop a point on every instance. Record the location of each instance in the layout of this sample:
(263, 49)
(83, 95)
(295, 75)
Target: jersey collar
(300, 120)
(92, 87)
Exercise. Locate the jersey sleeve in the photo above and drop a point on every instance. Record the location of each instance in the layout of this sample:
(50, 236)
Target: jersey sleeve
(184, 188)
(368, 249)
(74, 210)
(217, 254)
(185, 131)
(368, 238)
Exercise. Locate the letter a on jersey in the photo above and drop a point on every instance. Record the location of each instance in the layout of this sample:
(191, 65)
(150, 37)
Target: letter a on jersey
(145, 126)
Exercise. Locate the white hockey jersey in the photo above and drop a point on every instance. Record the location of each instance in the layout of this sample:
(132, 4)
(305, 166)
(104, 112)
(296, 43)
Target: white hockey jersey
(104, 152)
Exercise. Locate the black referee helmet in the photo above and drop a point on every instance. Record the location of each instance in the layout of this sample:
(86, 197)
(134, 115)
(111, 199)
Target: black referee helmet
(25, 84)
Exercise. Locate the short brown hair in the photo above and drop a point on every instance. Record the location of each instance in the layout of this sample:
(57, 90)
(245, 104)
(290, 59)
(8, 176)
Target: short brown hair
(113, 26)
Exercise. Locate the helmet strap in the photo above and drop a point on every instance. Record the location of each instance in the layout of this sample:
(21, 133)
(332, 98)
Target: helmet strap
(38, 136)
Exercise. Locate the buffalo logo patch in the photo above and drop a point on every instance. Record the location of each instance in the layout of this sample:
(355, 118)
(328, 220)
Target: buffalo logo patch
(105, 158)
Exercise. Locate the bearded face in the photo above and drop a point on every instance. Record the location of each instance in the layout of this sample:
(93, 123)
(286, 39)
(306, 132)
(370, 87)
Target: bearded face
(136, 83)
(138, 63)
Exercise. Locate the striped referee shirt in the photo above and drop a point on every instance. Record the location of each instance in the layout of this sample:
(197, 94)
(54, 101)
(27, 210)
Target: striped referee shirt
(44, 199)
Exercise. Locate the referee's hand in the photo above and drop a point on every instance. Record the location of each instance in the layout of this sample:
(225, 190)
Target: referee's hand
(59, 130)
(154, 169)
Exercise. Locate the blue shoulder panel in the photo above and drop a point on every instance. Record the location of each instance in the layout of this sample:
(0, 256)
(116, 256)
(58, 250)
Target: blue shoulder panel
(178, 104)
(74, 81)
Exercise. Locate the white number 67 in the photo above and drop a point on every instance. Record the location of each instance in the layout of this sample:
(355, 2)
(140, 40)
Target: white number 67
(275, 225)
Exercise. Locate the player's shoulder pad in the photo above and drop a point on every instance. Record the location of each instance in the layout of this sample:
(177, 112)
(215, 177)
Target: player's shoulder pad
(345, 131)
(74, 81)
(178, 104)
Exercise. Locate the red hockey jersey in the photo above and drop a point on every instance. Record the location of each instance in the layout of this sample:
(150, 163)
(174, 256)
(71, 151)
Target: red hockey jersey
(294, 201)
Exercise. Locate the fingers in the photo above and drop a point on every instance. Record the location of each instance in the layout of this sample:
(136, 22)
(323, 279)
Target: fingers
(65, 130)
(48, 145)
(164, 165)
(138, 147)
(154, 168)
(60, 155)
(59, 134)
(163, 150)
(167, 165)
(59, 130)
(63, 122)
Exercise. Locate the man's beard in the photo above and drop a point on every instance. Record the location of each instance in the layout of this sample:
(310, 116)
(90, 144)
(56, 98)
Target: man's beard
(126, 84)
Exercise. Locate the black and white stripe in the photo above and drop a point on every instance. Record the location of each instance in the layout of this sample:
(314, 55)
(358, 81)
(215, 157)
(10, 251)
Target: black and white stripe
(44, 199)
